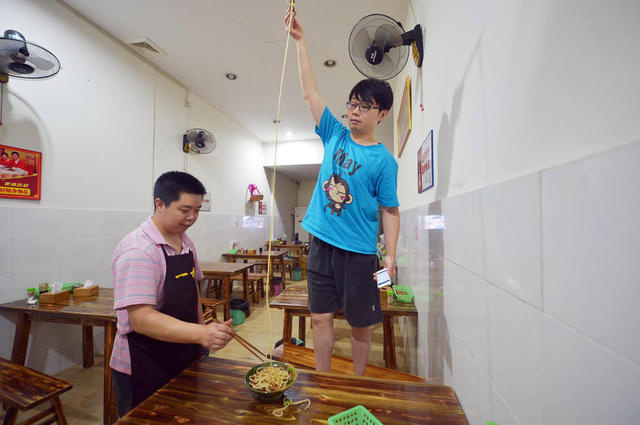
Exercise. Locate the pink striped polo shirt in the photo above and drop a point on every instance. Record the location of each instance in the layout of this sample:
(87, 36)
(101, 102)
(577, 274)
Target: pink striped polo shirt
(138, 269)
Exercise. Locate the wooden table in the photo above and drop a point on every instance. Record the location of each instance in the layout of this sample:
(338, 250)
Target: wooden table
(225, 272)
(211, 391)
(88, 312)
(275, 256)
(297, 249)
(294, 302)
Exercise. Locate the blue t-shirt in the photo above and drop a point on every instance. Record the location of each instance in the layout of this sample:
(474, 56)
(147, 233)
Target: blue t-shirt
(352, 181)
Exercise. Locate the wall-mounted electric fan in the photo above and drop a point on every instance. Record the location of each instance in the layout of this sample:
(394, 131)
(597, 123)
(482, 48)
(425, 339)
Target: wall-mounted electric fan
(199, 141)
(23, 59)
(379, 46)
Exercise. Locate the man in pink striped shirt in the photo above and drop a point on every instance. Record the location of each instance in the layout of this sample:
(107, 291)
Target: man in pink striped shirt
(155, 268)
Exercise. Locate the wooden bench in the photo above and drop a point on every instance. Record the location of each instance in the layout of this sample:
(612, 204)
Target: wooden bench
(22, 388)
(305, 358)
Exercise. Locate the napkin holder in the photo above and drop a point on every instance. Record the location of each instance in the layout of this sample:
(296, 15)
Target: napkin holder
(91, 291)
(57, 298)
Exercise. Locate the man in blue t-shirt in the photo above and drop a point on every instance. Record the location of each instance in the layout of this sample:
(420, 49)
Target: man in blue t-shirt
(357, 175)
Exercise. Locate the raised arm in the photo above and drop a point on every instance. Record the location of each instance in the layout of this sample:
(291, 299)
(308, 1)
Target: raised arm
(307, 80)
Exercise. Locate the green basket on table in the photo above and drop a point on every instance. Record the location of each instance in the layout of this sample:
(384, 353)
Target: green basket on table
(403, 293)
(358, 415)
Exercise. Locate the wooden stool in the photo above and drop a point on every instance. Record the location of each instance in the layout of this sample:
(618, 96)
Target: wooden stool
(22, 388)
(213, 285)
(210, 305)
(305, 358)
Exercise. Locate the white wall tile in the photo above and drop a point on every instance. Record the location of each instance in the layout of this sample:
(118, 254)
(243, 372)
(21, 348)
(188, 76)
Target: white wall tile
(585, 383)
(591, 234)
(6, 219)
(458, 212)
(6, 255)
(7, 322)
(466, 308)
(515, 341)
(35, 252)
(84, 248)
(9, 289)
(37, 222)
(27, 277)
(510, 214)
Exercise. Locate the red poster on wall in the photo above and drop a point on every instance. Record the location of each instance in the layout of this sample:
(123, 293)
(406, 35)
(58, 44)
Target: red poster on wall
(20, 173)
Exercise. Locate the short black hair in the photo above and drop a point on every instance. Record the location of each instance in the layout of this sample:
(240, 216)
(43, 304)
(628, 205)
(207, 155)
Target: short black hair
(373, 90)
(172, 184)
(4, 153)
(15, 153)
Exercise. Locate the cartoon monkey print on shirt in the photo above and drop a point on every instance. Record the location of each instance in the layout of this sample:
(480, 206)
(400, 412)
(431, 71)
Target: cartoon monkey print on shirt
(337, 191)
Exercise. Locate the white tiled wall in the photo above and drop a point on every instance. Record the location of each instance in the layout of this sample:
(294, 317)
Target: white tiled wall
(45, 245)
(529, 298)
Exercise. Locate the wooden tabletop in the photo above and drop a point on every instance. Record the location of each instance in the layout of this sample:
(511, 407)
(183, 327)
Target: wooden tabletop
(222, 268)
(211, 391)
(286, 245)
(97, 307)
(264, 256)
(295, 297)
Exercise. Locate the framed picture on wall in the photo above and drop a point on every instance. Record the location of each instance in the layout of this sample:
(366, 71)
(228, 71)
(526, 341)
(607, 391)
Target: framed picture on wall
(425, 164)
(404, 117)
(20, 173)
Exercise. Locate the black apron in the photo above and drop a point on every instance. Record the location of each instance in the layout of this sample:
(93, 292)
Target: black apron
(154, 362)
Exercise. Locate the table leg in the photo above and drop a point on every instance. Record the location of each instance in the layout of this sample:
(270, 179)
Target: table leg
(389, 343)
(21, 338)
(302, 327)
(110, 412)
(288, 323)
(87, 346)
(283, 273)
(245, 287)
(226, 296)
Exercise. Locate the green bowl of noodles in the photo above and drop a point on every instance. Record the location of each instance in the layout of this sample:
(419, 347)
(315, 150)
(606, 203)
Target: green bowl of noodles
(271, 379)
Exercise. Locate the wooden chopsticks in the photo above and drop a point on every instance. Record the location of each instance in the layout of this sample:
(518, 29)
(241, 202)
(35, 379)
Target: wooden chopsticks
(250, 348)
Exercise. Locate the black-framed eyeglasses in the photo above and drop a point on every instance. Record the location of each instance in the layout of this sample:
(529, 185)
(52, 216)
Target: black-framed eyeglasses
(362, 106)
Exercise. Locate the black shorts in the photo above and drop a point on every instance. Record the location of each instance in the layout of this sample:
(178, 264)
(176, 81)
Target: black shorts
(343, 280)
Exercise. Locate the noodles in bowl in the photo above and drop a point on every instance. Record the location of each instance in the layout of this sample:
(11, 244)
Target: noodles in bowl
(271, 379)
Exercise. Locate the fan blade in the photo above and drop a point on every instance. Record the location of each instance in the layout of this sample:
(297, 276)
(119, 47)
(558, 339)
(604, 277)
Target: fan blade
(386, 67)
(41, 63)
(388, 35)
(361, 42)
(7, 53)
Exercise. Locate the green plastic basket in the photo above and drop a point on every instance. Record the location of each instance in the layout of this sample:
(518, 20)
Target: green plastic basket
(403, 293)
(358, 415)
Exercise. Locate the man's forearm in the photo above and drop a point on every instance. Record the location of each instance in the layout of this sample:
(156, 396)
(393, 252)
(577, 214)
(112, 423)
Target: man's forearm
(391, 229)
(308, 82)
(148, 321)
(305, 71)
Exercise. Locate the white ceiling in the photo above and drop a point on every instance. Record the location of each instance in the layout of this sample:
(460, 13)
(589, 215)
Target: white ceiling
(204, 39)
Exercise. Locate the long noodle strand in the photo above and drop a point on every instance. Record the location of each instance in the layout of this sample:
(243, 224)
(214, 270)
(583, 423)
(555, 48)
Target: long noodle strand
(273, 181)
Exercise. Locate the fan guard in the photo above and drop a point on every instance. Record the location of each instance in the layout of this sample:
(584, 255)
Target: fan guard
(377, 46)
(198, 140)
(24, 59)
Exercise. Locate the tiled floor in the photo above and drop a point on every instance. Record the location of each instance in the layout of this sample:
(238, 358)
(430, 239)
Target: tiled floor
(83, 403)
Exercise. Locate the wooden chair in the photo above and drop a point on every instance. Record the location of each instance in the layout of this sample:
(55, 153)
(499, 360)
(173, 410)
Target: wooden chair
(22, 388)
(305, 358)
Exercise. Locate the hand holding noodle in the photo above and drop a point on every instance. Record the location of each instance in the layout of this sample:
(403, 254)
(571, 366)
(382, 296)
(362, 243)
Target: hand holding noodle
(217, 335)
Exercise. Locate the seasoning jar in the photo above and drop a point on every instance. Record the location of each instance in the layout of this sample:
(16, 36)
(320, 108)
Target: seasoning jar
(389, 295)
